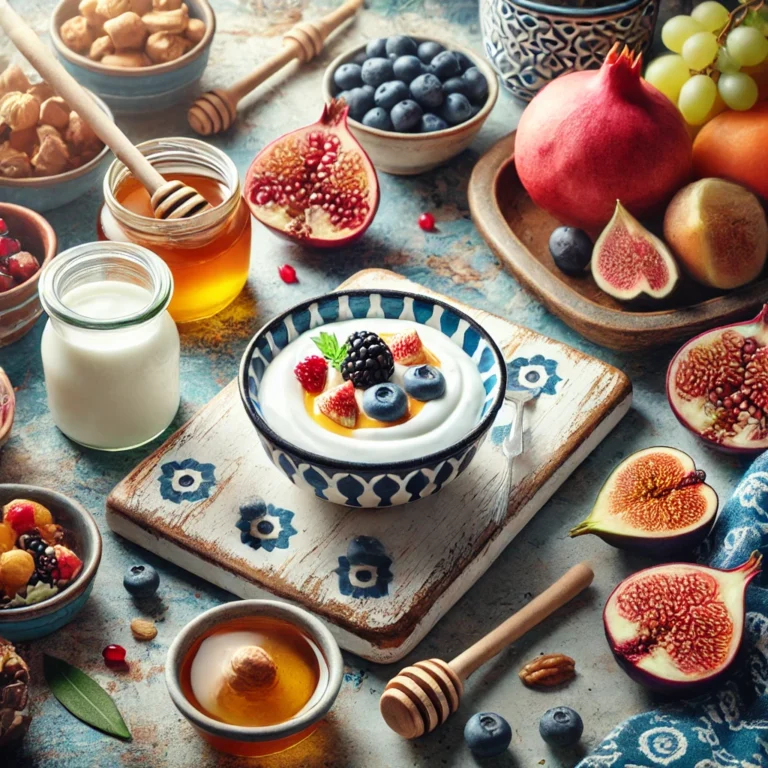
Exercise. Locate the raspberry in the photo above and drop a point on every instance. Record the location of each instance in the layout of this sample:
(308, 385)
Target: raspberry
(287, 274)
(312, 372)
(427, 222)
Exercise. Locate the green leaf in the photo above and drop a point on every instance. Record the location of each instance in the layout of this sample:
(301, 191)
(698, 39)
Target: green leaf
(83, 697)
(328, 345)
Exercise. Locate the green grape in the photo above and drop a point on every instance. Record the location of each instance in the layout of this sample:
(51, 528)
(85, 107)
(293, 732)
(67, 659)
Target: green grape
(725, 63)
(699, 50)
(697, 97)
(677, 30)
(747, 46)
(738, 90)
(711, 15)
(668, 74)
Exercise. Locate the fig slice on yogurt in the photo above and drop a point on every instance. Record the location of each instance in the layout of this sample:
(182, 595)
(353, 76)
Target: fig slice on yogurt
(655, 502)
(677, 628)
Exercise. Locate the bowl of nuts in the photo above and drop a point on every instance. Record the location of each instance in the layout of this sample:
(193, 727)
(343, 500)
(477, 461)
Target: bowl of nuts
(138, 55)
(27, 244)
(49, 156)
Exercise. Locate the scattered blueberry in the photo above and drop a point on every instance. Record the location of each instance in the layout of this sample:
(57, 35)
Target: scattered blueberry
(446, 65)
(400, 45)
(424, 382)
(456, 85)
(571, 250)
(428, 50)
(389, 94)
(406, 116)
(376, 48)
(360, 100)
(347, 76)
(456, 109)
(377, 71)
(378, 118)
(477, 85)
(385, 402)
(141, 580)
(407, 68)
(464, 61)
(430, 122)
(561, 727)
(487, 734)
(427, 91)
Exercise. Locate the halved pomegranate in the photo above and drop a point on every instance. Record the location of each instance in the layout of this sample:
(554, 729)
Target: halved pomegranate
(655, 502)
(717, 385)
(677, 628)
(315, 185)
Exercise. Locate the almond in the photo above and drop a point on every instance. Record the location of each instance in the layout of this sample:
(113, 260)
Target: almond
(143, 629)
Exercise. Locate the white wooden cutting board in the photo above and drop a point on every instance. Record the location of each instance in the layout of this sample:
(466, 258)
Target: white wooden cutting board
(413, 562)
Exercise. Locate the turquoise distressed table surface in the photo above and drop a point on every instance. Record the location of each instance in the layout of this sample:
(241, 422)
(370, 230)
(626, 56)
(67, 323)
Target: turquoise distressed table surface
(455, 261)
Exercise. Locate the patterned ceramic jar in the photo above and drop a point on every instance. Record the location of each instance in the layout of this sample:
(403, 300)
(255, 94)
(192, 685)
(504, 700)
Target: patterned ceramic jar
(530, 43)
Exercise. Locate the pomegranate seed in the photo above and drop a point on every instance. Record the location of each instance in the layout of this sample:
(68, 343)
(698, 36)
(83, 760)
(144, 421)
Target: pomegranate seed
(9, 246)
(287, 274)
(6, 281)
(114, 654)
(3, 227)
(22, 266)
(427, 222)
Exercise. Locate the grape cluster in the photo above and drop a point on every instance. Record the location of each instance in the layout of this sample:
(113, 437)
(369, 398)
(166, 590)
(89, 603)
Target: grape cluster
(713, 53)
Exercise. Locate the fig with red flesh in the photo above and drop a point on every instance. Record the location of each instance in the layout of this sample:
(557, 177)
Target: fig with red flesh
(315, 185)
(629, 262)
(717, 385)
(655, 502)
(677, 628)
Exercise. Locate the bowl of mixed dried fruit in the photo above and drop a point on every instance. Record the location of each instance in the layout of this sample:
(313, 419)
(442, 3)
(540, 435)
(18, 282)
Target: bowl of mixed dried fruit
(50, 548)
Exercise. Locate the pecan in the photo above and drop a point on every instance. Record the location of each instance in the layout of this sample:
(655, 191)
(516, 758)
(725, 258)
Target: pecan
(548, 670)
(143, 629)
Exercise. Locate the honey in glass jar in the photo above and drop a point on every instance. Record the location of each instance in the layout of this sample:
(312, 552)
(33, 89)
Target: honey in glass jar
(208, 254)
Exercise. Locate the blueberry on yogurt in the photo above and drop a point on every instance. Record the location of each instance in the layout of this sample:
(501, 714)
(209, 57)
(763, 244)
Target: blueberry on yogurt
(385, 402)
(424, 382)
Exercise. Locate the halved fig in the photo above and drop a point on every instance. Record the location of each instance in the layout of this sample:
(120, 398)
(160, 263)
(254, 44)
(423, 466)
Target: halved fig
(628, 262)
(655, 502)
(677, 628)
(717, 385)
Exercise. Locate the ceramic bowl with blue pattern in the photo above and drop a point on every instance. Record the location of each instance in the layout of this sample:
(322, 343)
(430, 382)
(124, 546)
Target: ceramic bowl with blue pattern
(353, 483)
(32, 621)
(138, 89)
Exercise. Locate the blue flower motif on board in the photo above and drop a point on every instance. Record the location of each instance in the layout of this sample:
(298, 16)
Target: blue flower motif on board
(186, 480)
(365, 571)
(264, 526)
(538, 373)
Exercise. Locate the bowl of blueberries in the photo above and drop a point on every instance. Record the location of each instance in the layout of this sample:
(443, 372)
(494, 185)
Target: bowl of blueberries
(414, 103)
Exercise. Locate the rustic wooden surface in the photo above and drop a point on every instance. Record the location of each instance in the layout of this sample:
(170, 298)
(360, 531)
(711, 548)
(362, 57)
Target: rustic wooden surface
(439, 546)
(517, 231)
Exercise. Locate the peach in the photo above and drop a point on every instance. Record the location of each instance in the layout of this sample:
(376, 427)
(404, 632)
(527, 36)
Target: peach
(718, 232)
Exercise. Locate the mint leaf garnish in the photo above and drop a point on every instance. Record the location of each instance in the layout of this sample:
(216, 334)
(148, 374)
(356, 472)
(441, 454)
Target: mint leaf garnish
(329, 347)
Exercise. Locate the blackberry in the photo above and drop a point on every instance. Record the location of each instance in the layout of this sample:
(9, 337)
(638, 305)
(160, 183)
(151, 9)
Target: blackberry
(369, 360)
(45, 565)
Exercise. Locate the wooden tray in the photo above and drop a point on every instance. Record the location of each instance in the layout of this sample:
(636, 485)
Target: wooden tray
(517, 231)
(184, 502)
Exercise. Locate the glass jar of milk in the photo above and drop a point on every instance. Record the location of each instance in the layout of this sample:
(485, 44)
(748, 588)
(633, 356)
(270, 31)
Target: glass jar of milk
(110, 349)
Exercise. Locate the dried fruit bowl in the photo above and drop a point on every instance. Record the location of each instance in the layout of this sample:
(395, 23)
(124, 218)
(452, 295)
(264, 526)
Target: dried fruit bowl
(517, 231)
(407, 154)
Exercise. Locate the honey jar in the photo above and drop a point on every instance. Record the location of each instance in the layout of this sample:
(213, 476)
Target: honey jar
(208, 254)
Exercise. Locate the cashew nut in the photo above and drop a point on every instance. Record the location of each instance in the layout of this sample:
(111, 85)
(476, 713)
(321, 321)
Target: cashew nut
(195, 31)
(13, 79)
(127, 32)
(51, 157)
(76, 34)
(95, 20)
(174, 22)
(19, 110)
(163, 47)
(13, 164)
(55, 112)
(102, 46)
(127, 59)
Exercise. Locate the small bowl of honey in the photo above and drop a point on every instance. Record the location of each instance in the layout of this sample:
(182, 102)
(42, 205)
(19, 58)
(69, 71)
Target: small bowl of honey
(254, 677)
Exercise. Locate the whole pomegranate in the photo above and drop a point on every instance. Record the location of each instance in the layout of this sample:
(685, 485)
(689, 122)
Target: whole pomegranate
(591, 138)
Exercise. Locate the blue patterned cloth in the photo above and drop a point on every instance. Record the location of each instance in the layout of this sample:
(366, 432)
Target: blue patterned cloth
(727, 728)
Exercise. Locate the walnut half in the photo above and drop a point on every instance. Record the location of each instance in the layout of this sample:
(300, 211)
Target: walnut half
(550, 669)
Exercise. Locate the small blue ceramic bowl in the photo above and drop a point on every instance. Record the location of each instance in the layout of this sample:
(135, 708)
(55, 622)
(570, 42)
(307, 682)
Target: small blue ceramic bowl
(138, 89)
(33, 621)
(356, 484)
(44, 193)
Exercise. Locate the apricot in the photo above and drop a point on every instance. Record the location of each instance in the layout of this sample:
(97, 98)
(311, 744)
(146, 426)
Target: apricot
(16, 569)
(732, 146)
(718, 232)
(7, 538)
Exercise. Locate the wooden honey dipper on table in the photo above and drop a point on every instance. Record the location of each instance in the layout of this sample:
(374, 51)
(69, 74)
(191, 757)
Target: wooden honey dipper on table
(170, 199)
(422, 696)
(215, 111)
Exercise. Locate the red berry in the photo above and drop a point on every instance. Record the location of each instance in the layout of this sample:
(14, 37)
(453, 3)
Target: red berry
(287, 274)
(22, 266)
(114, 654)
(9, 246)
(6, 281)
(427, 222)
(311, 373)
(3, 227)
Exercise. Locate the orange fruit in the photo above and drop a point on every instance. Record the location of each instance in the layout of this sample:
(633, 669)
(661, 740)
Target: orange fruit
(7, 538)
(732, 146)
(16, 569)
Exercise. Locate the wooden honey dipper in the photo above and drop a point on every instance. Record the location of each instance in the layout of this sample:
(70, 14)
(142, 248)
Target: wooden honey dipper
(421, 697)
(215, 111)
(170, 199)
